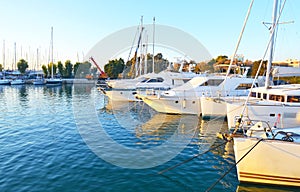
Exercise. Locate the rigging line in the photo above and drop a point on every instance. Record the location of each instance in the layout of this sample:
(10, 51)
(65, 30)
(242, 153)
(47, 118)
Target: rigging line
(239, 39)
(260, 65)
(187, 160)
(215, 183)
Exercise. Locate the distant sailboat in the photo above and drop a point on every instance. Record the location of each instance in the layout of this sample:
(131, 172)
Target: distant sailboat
(39, 80)
(18, 80)
(3, 80)
(52, 81)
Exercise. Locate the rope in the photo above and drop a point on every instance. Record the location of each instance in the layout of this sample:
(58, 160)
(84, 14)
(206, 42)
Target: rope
(187, 160)
(215, 183)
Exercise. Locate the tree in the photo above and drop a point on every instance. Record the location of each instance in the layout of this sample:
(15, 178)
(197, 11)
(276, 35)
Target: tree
(82, 69)
(255, 67)
(114, 67)
(76, 66)
(45, 70)
(221, 59)
(60, 67)
(22, 66)
(50, 68)
(68, 69)
(1, 67)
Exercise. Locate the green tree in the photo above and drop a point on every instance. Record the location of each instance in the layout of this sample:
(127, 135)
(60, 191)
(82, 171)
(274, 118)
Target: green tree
(61, 69)
(1, 67)
(76, 66)
(50, 68)
(45, 70)
(221, 58)
(114, 67)
(68, 69)
(82, 69)
(255, 67)
(22, 66)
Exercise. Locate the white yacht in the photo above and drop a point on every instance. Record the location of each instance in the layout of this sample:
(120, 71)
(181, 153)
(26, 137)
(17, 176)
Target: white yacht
(186, 99)
(268, 156)
(151, 83)
(4, 82)
(265, 153)
(17, 82)
(278, 105)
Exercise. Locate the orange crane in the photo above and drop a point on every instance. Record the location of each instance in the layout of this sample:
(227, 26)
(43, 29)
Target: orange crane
(102, 75)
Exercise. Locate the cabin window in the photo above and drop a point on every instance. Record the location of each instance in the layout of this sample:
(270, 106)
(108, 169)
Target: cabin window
(294, 99)
(145, 80)
(176, 101)
(259, 95)
(264, 96)
(244, 86)
(253, 94)
(279, 98)
(212, 82)
(159, 79)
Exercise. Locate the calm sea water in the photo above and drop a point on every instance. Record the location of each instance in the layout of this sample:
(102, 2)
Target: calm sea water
(48, 143)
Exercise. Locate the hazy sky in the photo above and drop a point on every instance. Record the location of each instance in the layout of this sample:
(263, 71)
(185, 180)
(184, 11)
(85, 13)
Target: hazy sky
(80, 24)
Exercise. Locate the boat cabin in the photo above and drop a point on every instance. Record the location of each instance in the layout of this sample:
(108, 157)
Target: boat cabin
(284, 93)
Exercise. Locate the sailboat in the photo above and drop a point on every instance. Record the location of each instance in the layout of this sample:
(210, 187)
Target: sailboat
(279, 105)
(52, 81)
(39, 80)
(3, 80)
(266, 154)
(18, 80)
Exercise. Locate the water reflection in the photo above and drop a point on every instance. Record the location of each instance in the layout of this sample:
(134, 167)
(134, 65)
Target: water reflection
(248, 187)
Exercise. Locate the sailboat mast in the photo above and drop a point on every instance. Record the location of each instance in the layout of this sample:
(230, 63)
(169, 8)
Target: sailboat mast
(15, 56)
(3, 55)
(52, 52)
(271, 48)
(153, 44)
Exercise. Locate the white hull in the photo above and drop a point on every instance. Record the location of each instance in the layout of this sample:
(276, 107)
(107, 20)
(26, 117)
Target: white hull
(217, 106)
(213, 107)
(4, 82)
(281, 115)
(269, 162)
(17, 82)
(174, 106)
(38, 82)
(53, 82)
(118, 95)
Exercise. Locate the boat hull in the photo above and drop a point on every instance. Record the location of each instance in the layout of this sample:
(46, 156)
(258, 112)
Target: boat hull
(273, 162)
(174, 105)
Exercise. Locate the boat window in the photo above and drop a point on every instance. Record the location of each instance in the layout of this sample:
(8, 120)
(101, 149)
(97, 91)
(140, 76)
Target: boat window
(212, 82)
(151, 81)
(253, 94)
(264, 96)
(258, 95)
(185, 80)
(295, 99)
(145, 80)
(159, 79)
(244, 86)
(279, 98)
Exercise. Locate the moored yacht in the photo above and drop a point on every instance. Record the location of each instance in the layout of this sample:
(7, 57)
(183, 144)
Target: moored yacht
(278, 105)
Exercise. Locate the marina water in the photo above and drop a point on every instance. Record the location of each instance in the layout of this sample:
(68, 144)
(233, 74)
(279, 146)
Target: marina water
(43, 149)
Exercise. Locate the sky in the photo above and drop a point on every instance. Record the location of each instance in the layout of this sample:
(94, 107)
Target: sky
(80, 24)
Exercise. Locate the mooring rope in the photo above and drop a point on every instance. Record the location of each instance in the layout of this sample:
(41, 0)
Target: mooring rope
(215, 183)
(187, 160)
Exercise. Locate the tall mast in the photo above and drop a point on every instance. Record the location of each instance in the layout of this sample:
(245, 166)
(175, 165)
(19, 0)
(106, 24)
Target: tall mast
(3, 55)
(37, 58)
(153, 44)
(273, 30)
(52, 52)
(15, 57)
